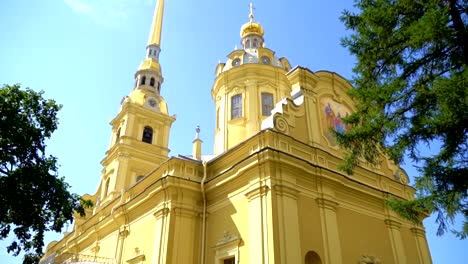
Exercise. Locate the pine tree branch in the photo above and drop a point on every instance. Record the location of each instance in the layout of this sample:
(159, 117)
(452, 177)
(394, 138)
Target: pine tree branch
(462, 37)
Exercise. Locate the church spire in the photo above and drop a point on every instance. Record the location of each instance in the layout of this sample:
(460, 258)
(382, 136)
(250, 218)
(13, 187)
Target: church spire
(154, 40)
(149, 74)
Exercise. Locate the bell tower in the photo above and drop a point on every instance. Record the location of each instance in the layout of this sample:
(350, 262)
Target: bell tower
(140, 131)
(247, 87)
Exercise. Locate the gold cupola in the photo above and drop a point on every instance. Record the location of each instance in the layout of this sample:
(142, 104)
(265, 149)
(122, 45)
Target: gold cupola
(251, 27)
(252, 33)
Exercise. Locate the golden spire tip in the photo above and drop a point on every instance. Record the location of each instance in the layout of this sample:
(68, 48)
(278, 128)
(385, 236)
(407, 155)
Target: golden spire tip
(251, 15)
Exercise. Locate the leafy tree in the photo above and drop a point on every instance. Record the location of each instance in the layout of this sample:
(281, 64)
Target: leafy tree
(411, 88)
(33, 198)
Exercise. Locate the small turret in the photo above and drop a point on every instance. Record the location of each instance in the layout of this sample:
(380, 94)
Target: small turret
(197, 143)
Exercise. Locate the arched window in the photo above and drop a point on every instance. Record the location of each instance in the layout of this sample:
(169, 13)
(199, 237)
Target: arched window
(312, 258)
(117, 136)
(236, 106)
(267, 104)
(255, 43)
(106, 187)
(147, 135)
(143, 80)
(152, 82)
(247, 44)
(159, 87)
(139, 178)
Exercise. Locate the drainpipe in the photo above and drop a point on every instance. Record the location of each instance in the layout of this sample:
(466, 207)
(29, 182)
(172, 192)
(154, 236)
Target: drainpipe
(202, 260)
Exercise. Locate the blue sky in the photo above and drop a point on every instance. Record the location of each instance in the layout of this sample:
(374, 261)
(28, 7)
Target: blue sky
(84, 53)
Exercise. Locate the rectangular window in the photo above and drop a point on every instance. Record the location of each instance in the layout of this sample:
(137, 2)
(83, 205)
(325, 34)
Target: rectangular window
(236, 106)
(267, 104)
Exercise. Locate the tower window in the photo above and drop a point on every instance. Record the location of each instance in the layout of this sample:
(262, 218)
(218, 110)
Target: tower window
(247, 44)
(152, 82)
(117, 136)
(106, 188)
(255, 43)
(143, 80)
(147, 135)
(267, 104)
(159, 87)
(236, 106)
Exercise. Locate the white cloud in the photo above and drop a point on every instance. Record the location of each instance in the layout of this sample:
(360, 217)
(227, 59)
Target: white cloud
(107, 12)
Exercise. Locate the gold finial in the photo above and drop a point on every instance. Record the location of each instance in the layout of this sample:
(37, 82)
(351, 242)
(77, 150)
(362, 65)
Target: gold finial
(251, 15)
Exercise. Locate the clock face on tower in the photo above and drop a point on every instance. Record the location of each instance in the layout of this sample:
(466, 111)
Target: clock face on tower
(152, 103)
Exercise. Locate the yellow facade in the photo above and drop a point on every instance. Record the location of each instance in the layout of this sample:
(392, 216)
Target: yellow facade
(272, 193)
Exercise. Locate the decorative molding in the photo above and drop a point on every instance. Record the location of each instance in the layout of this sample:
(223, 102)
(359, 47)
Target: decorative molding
(185, 212)
(286, 191)
(327, 203)
(95, 248)
(417, 231)
(124, 233)
(227, 247)
(137, 258)
(228, 237)
(392, 223)
(161, 213)
(281, 124)
(367, 259)
(257, 192)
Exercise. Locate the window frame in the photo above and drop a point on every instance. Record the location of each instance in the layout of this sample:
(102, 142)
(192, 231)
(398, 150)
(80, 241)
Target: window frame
(237, 106)
(266, 112)
(144, 137)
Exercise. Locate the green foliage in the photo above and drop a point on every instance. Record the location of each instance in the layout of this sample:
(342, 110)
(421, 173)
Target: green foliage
(411, 89)
(34, 198)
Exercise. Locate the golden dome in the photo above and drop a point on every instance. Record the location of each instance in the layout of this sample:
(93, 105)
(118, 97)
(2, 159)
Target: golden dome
(150, 64)
(251, 28)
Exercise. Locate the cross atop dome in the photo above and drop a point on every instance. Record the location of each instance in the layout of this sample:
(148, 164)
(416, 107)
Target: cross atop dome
(251, 15)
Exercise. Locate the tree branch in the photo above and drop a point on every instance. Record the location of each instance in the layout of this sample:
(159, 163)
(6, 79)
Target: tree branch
(462, 37)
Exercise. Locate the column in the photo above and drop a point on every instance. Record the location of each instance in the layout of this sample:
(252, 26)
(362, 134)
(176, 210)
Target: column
(288, 224)
(123, 233)
(330, 233)
(259, 235)
(396, 241)
(421, 243)
(161, 235)
(183, 239)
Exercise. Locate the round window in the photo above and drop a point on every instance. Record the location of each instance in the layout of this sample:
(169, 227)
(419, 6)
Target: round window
(265, 60)
(236, 62)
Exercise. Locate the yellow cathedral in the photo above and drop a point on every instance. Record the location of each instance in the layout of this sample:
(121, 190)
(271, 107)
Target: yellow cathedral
(271, 193)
